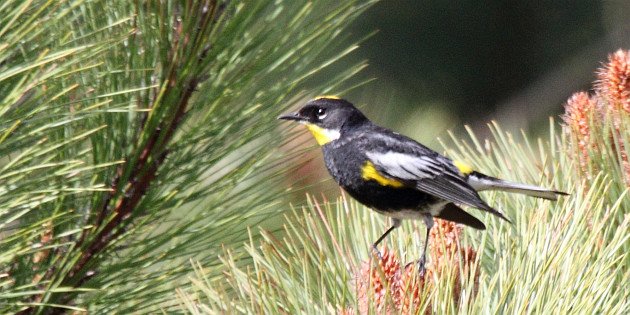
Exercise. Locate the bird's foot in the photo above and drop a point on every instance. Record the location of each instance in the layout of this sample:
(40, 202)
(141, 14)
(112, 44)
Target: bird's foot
(377, 253)
(421, 266)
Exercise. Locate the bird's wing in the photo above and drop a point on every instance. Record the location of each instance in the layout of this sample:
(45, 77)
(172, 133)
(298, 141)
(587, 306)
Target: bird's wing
(403, 159)
(428, 173)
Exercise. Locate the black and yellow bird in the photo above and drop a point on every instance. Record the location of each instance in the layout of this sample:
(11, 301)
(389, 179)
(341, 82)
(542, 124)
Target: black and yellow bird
(395, 175)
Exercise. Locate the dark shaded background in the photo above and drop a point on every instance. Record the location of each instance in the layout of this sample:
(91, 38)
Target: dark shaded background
(474, 61)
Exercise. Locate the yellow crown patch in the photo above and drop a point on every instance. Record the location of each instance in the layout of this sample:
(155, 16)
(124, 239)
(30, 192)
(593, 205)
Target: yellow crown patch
(330, 97)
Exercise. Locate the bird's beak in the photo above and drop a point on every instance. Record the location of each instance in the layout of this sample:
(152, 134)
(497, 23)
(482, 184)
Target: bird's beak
(291, 116)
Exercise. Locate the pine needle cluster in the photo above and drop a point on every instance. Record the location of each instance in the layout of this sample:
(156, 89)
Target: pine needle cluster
(135, 135)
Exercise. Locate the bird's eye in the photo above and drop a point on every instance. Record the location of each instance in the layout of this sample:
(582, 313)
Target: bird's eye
(321, 113)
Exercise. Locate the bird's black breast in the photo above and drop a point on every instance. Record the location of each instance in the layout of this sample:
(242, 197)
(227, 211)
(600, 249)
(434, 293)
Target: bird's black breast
(345, 161)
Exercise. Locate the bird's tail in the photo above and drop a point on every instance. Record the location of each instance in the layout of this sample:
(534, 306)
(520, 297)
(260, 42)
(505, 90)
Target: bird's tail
(484, 182)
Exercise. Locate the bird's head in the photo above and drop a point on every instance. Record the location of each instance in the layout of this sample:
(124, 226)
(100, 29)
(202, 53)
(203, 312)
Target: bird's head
(326, 117)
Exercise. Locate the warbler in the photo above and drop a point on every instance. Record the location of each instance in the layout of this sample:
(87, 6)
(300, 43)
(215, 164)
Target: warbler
(397, 176)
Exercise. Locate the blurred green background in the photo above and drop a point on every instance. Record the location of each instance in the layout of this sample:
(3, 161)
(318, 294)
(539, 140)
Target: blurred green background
(436, 66)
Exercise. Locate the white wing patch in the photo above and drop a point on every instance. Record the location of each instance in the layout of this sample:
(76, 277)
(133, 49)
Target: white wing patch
(430, 175)
(405, 166)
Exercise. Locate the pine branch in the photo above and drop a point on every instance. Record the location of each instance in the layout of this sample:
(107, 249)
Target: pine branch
(152, 156)
(155, 141)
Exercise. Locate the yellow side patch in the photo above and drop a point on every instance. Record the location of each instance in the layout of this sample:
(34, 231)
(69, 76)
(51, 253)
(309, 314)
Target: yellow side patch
(463, 167)
(332, 97)
(369, 172)
(322, 136)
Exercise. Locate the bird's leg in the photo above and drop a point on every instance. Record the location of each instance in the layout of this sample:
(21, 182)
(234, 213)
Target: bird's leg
(395, 223)
(428, 221)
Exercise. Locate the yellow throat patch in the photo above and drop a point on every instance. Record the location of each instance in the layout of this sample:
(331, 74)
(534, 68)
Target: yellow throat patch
(322, 136)
(369, 172)
(463, 168)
